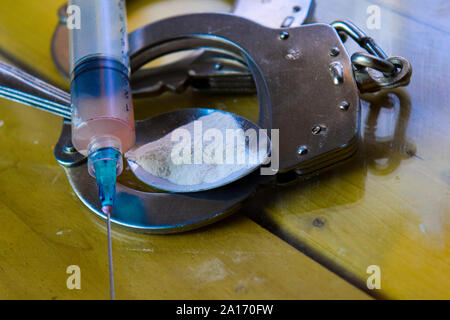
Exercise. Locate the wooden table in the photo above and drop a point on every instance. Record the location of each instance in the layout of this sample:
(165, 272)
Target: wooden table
(309, 239)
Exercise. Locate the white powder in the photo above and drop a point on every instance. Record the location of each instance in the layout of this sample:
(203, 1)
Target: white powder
(162, 157)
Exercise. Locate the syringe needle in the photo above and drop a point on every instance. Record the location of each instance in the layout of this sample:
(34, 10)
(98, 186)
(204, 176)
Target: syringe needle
(103, 163)
(108, 210)
(102, 116)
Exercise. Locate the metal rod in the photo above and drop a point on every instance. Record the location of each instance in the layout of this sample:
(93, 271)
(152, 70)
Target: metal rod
(34, 101)
(24, 88)
(350, 29)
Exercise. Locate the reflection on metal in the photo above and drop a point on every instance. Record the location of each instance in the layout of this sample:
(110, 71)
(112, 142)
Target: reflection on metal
(162, 213)
(395, 71)
(337, 72)
(294, 95)
(280, 108)
(156, 127)
(349, 29)
(273, 14)
(279, 82)
(361, 60)
(208, 71)
(24, 88)
(369, 80)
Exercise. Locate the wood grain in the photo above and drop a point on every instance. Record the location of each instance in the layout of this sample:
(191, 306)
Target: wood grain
(391, 205)
(44, 228)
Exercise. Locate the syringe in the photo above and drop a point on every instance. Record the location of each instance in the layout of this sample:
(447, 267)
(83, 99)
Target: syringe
(102, 117)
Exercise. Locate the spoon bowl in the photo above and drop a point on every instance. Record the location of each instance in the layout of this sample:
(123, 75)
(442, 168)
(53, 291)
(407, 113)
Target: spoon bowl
(155, 128)
(19, 86)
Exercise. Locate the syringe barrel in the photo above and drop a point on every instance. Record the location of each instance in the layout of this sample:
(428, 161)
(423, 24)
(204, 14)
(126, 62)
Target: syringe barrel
(101, 31)
(100, 88)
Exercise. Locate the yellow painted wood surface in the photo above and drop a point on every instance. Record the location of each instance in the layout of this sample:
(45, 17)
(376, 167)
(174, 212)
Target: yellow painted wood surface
(44, 228)
(389, 207)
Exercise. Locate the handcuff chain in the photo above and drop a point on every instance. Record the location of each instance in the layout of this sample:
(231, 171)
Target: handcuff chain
(395, 71)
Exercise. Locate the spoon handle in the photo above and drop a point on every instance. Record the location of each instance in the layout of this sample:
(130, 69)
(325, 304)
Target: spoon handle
(22, 87)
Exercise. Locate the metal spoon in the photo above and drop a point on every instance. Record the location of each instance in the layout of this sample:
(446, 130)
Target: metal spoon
(156, 127)
(21, 87)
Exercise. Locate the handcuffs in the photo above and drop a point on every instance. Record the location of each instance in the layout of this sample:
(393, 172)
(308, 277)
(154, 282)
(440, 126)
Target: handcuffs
(307, 85)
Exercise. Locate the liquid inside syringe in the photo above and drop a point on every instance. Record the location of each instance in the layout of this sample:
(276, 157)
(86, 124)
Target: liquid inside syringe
(101, 109)
(102, 118)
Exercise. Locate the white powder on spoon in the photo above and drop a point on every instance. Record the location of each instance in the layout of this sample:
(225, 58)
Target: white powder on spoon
(159, 157)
